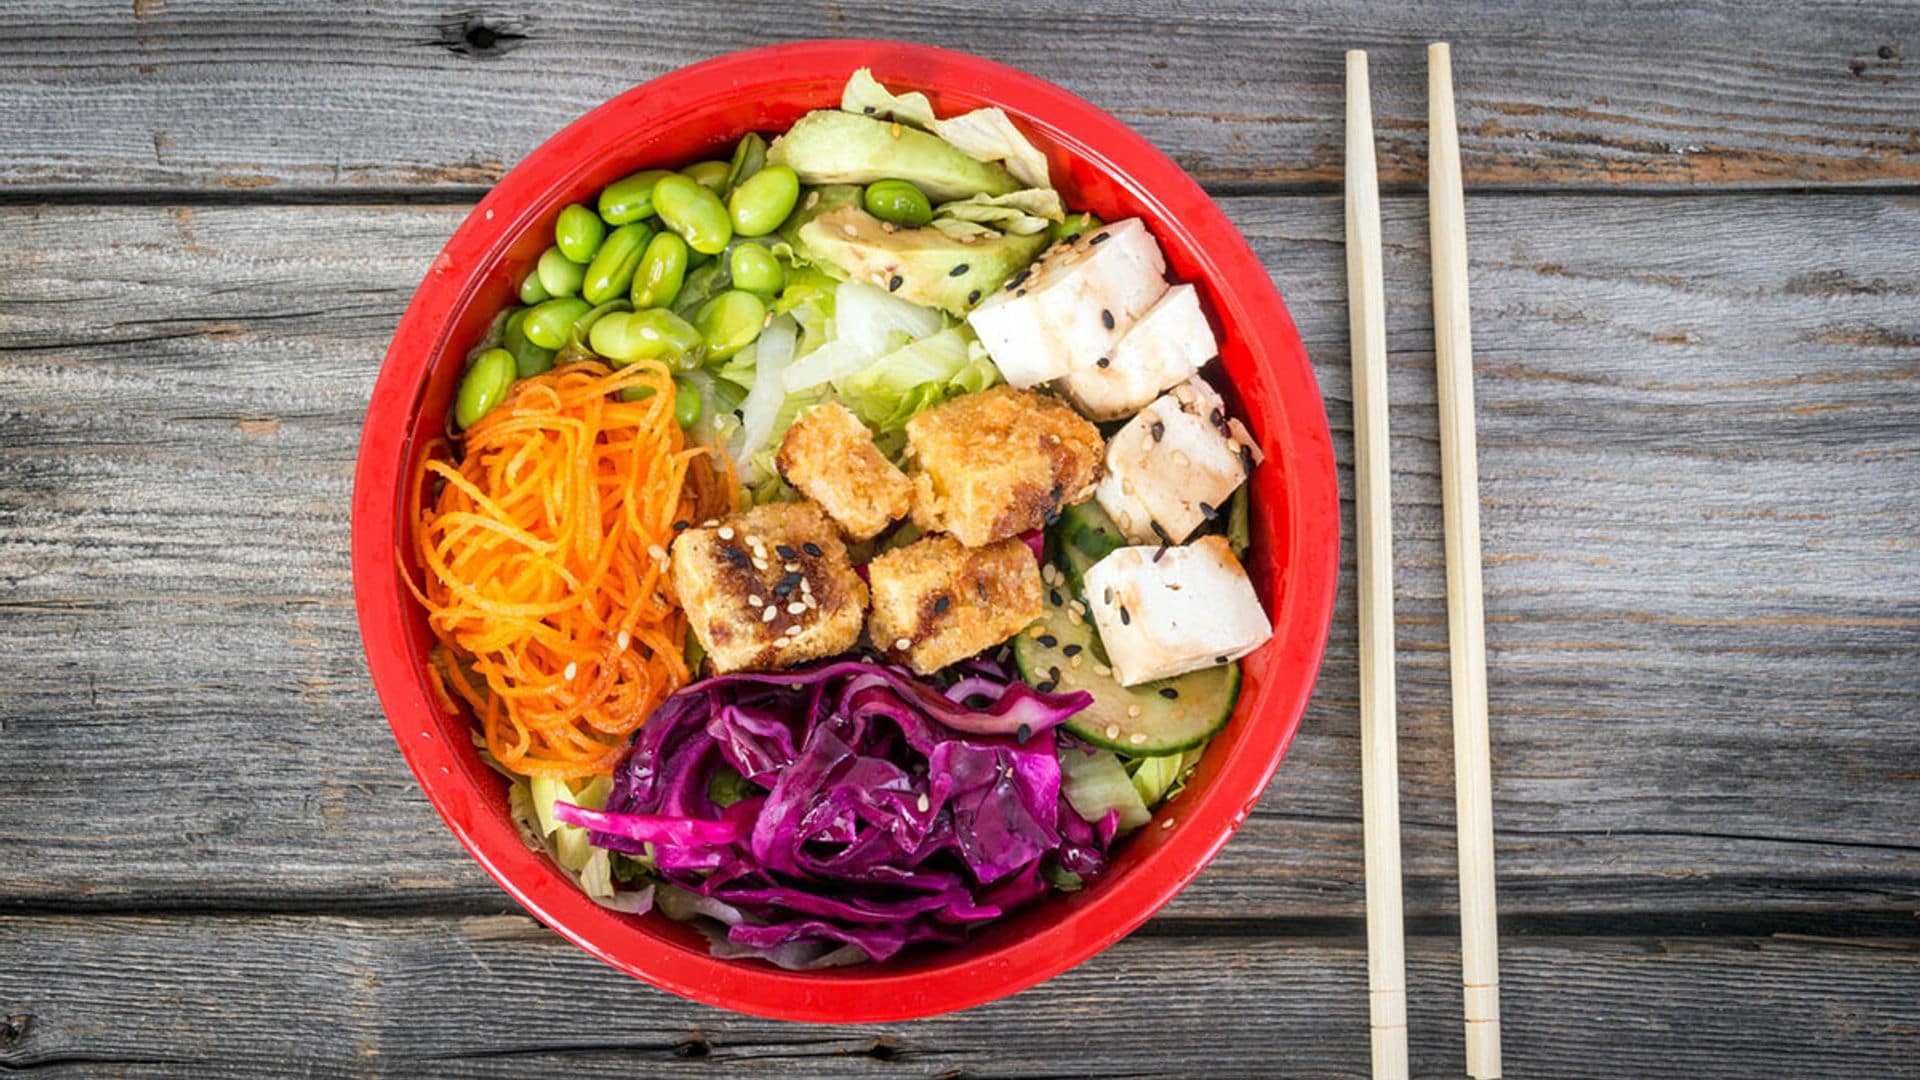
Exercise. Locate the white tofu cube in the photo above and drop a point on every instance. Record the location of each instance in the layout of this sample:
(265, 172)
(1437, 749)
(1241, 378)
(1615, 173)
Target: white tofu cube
(1166, 612)
(1073, 305)
(1175, 465)
(1166, 346)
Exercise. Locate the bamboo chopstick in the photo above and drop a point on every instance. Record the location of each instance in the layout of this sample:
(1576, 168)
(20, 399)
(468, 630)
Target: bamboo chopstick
(1373, 515)
(1466, 629)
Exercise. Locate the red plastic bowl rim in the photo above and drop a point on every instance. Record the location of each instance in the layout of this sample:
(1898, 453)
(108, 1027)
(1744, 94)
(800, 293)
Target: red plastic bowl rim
(872, 993)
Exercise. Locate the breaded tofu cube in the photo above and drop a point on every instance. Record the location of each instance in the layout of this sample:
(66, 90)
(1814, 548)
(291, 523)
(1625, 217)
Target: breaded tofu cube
(1173, 467)
(1165, 612)
(769, 588)
(829, 456)
(936, 600)
(995, 464)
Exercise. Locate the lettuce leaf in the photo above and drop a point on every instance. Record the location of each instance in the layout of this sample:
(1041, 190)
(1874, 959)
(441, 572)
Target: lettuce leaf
(888, 392)
(1022, 213)
(983, 134)
(864, 94)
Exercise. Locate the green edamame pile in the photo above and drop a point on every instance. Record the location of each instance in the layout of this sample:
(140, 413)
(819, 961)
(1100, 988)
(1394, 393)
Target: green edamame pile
(673, 265)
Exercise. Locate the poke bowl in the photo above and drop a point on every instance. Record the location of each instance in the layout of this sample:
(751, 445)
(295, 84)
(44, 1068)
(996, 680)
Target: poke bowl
(1105, 173)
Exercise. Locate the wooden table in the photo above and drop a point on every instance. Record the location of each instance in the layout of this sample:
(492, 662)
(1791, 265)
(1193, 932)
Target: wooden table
(1696, 275)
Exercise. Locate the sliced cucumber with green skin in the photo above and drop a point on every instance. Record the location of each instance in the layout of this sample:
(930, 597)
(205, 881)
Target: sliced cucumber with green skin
(1168, 716)
(1084, 535)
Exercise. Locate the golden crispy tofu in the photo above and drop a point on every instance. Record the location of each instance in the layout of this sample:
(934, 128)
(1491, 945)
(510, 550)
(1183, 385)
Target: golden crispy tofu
(769, 588)
(936, 600)
(992, 465)
(829, 456)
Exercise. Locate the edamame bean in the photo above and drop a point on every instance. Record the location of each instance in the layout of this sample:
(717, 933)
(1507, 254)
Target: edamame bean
(686, 402)
(899, 202)
(711, 175)
(531, 291)
(611, 273)
(583, 326)
(559, 275)
(694, 212)
(756, 270)
(759, 205)
(651, 334)
(661, 272)
(578, 232)
(730, 322)
(1075, 224)
(483, 386)
(629, 198)
(748, 158)
(548, 324)
(528, 359)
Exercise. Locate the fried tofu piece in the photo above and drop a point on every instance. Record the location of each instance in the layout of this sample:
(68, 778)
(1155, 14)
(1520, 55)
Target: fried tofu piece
(829, 456)
(936, 600)
(995, 464)
(770, 588)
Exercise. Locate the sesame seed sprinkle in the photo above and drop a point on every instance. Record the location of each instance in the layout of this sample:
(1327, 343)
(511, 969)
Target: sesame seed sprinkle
(726, 532)
(1167, 824)
(1133, 711)
(924, 802)
(767, 615)
(754, 601)
(1136, 738)
(572, 670)
(623, 640)
(796, 608)
(1113, 731)
(903, 644)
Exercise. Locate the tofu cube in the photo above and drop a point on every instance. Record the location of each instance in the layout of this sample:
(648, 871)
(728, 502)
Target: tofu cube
(936, 600)
(1165, 347)
(1175, 465)
(995, 464)
(829, 456)
(1072, 306)
(769, 589)
(1166, 612)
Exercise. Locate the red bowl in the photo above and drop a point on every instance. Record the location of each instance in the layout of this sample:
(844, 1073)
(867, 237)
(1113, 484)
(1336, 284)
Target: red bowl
(1098, 164)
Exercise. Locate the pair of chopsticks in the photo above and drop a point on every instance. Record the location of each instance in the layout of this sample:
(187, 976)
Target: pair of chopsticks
(1466, 633)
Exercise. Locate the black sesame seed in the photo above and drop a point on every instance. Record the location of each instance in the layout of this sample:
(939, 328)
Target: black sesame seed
(1047, 641)
(1022, 733)
(958, 269)
(737, 557)
(681, 526)
(941, 604)
(1125, 618)
(1160, 553)
(973, 297)
(1072, 650)
(1106, 318)
(980, 589)
(1219, 418)
(1169, 693)
(869, 110)
(1246, 457)
(1219, 659)
(1053, 672)
(1046, 687)
(1161, 532)
(1108, 598)
(893, 283)
(785, 550)
(1019, 292)
(1054, 595)
(811, 548)
(1103, 362)
(1159, 431)
(1014, 281)
(1098, 238)
(1207, 510)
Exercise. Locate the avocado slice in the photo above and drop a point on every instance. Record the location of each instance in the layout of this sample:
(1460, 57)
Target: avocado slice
(828, 146)
(924, 265)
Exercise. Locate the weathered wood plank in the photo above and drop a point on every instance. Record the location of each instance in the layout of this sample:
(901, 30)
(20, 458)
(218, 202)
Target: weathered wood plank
(228, 96)
(1700, 420)
(502, 996)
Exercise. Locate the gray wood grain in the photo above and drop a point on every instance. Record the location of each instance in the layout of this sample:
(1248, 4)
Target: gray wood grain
(229, 97)
(502, 996)
(1699, 421)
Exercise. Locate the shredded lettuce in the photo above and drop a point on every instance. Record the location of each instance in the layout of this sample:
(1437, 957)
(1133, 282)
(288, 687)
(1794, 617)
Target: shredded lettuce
(868, 323)
(760, 412)
(983, 134)
(1022, 213)
(1096, 784)
(888, 392)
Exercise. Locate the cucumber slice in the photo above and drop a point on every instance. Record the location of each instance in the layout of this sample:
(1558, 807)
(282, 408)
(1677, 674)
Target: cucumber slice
(1084, 536)
(1139, 721)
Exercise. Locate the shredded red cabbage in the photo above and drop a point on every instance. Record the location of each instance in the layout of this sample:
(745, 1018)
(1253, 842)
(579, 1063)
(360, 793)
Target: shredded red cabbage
(880, 811)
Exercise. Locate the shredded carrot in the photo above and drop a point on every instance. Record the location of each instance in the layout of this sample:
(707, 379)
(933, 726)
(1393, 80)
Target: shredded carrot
(543, 554)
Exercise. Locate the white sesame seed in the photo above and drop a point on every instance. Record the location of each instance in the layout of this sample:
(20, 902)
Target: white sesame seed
(623, 640)
(1113, 731)
(572, 670)
(924, 802)
(903, 644)
(1076, 661)
(1102, 670)
(1133, 710)
(767, 615)
(1136, 738)
(760, 565)
(1167, 824)
(849, 229)
(753, 601)
(1037, 632)
(813, 200)
(658, 553)
(895, 129)
(726, 532)
(791, 568)
(796, 608)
